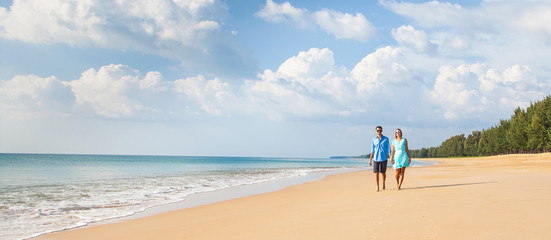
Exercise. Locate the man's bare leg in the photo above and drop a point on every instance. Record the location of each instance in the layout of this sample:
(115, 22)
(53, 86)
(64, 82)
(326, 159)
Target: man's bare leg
(377, 180)
(384, 181)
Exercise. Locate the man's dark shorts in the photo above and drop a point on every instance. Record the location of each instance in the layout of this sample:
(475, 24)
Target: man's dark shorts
(379, 166)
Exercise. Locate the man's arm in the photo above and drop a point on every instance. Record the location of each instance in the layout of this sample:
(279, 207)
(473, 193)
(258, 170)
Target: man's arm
(388, 147)
(372, 152)
(392, 151)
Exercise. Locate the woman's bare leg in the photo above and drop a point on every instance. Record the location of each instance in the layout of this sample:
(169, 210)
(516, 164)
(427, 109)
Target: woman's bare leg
(402, 171)
(398, 178)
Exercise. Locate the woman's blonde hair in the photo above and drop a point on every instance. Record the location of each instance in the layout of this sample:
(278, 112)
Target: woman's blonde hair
(397, 129)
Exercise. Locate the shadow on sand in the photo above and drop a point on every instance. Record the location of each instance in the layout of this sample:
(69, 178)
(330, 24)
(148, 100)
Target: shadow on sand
(447, 185)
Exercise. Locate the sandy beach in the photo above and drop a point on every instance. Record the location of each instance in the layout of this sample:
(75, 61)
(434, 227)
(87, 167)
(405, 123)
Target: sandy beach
(499, 197)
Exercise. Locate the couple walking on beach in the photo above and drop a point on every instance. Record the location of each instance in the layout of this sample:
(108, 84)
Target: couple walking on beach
(382, 150)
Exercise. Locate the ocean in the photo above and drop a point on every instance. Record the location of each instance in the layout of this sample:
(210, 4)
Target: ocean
(41, 193)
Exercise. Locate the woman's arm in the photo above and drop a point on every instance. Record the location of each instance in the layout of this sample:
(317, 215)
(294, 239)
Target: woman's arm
(392, 153)
(407, 150)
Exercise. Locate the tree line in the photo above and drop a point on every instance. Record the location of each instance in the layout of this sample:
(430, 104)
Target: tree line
(528, 131)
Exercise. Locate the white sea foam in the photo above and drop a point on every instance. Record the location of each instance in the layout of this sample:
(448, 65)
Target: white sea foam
(33, 210)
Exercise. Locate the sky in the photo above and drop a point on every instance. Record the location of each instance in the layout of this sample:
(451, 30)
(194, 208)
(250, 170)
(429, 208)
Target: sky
(265, 78)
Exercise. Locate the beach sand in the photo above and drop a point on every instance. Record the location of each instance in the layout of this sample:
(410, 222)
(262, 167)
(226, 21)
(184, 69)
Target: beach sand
(499, 197)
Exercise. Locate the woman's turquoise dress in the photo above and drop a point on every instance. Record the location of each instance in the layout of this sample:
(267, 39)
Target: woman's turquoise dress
(401, 158)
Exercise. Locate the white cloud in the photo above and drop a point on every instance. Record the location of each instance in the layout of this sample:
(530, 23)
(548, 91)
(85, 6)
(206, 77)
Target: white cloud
(430, 14)
(341, 25)
(410, 37)
(345, 25)
(521, 75)
(315, 71)
(455, 90)
(306, 86)
(490, 17)
(386, 86)
(28, 96)
(474, 90)
(312, 64)
(114, 90)
(509, 40)
(378, 69)
(213, 96)
(458, 43)
(82, 23)
(188, 31)
(284, 12)
(536, 20)
(490, 59)
(117, 91)
(279, 100)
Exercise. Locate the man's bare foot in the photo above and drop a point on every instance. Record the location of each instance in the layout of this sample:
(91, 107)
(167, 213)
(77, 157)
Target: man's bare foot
(384, 187)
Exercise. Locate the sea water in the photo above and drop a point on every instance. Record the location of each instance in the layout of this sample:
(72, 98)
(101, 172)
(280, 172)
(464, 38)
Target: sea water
(41, 193)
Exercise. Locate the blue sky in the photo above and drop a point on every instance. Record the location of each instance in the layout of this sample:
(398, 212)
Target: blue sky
(262, 78)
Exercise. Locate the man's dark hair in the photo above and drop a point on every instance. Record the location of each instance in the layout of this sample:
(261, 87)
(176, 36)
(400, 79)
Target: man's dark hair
(379, 127)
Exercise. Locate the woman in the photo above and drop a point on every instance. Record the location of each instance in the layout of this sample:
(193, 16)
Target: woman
(399, 156)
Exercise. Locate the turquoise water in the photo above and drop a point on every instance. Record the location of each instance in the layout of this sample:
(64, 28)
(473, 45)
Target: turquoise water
(28, 169)
(41, 193)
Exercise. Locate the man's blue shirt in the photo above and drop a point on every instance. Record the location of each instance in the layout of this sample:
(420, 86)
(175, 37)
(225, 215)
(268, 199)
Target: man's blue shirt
(380, 148)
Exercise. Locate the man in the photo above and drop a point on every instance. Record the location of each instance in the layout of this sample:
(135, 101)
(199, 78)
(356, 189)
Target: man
(380, 150)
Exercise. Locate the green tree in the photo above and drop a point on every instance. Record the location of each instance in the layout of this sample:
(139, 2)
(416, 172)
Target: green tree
(424, 153)
(433, 152)
(527, 130)
(470, 146)
(538, 132)
(517, 135)
(420, 153)
(546, 109)
(487, 142)
(503, 145)
(452, 147)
